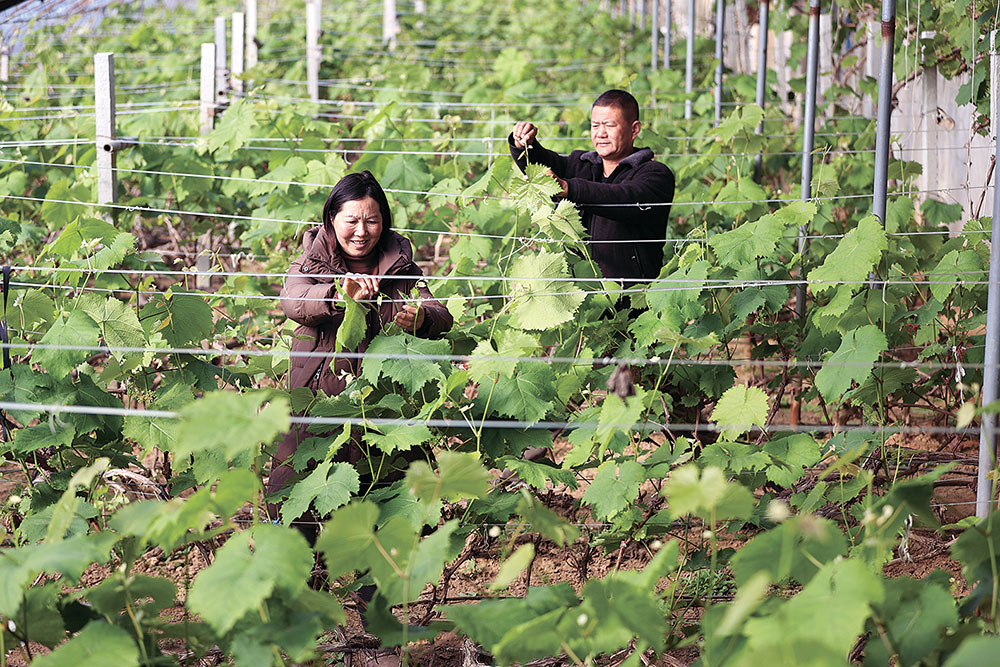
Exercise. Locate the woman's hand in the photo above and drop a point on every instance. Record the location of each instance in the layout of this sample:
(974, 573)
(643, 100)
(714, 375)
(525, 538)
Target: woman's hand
(410, 318)
(359, 286)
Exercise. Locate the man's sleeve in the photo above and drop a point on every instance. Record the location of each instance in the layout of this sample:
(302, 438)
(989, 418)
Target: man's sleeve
(538, 154)
(654, 186)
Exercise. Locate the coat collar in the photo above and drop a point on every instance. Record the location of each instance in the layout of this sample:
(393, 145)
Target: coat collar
(639, 156)
(394, 252)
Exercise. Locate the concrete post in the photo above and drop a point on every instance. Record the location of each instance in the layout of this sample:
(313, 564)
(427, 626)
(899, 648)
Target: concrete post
(4, 64)
(872, 46)
(927, 124)
(221, 80)
(239, 52)
(720, 36)
(668, 20)
(314, 13)
(654, 34)
(390, 26)
(251, 35)
(689, 61)
(207, 88)
(104, 103)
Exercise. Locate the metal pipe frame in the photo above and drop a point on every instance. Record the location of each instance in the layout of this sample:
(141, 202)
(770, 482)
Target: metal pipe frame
(689, 62)
(765, 11)
(882, 123)
(808, 132)
(720, 36)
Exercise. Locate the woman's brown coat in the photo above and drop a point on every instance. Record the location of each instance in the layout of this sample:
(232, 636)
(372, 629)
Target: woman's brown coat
(307, 299)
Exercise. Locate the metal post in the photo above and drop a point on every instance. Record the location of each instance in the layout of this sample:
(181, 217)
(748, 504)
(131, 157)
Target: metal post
(884, 111)
(251, 39)
(221, 80)
(668, 19)
(631, 13)
(655, 33)
(720, 34)
(642, 15)
(239, 52)
(314, 12)
(689, 61)
(104, 103)
(987, 435)
(994, 85)
(207, 87)
(808, 130)
(928, 124)
(765, 10)
(389, 25)
(871, 64)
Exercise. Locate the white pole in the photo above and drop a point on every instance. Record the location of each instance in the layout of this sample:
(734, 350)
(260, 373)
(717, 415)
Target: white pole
(928, 117)
(4, 64)
(314, 12)
(825, 54)
(239, 52)
(207, 87)
(221, 80)
(389, 25)
(251, 19)
(872, 58)
(994, 86)
(668, 19)
(104, 103)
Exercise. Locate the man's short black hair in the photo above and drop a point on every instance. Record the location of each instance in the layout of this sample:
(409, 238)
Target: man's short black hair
(621, 99)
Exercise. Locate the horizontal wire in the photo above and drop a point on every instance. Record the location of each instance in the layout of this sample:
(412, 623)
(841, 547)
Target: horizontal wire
(476, 424)
(472, 358)
(232, 216)
(191, 106)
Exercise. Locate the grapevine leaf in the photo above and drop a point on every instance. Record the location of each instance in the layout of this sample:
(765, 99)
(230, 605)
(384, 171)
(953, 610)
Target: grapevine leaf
(563, 223)
(918, 614)
(511, 568)
(402, 437)
(852, 362)
(409, 370)
(707, 494)
(751, 241)
(278, 179)
(348, 533)
(614, 488)
(797, 548)
(229, 423)
(352, 330)
(537, 474)
(118, 323)
(542, 304)
(78, 233)
(34, 438)
(97, 645)
(74, 329)
(740, 408)
(525, 396)
(536, 189)
(150, 432)
(975, 651)
(329, 171)
(407, 172)
(675, 298)
(429, 557)
(235, 126)
(112, 253)
(485, 362)
(544, 521)
(272, 557)
(953, 267)
(853, 258)
(181, 319)
(26, 386)
(459, 475)
(326, 490)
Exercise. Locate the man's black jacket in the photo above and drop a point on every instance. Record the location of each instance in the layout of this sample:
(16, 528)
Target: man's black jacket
(625, 241)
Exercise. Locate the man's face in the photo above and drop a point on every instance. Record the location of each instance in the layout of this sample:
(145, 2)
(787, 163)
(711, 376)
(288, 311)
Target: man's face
(613, 138)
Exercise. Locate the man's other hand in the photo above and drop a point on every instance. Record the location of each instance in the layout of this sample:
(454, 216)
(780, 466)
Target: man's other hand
(524, 134)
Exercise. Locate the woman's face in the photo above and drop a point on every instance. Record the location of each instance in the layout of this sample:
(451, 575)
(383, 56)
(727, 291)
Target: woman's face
(358, 227)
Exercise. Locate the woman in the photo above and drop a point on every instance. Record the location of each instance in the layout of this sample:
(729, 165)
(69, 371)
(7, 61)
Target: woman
(356, 241)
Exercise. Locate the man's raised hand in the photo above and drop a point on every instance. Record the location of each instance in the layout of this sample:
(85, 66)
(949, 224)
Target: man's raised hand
(524, 134)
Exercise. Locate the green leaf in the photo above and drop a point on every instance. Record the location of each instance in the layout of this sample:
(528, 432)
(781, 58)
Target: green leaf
(563, 223)
(352, 329)
(77, 233)
(614, 488)
(407, 172)
(326, 490)
(400, 437)
(542, 304)
(409, 370)
(511, 568)
(97, 645)
(542, 520)
(740, 408)
(229, 423)
(955, 266)
(975, 652)
(526, 396)
(118, 323)
(795, 549)
(853, 258)
(751, 241)
(247, 570)
(234, 127)
(706, 494)
(348, 533)
(852, 362)
(74, 329)
(179, 318)
(65, 509)
(150, 432)
(916, 615)
(459, 475)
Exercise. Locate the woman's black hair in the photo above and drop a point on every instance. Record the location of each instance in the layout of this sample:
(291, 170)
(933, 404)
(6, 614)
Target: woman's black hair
(351, 188)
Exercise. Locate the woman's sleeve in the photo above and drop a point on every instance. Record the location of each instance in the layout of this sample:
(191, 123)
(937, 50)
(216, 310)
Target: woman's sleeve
(437, 318)
(301, 294)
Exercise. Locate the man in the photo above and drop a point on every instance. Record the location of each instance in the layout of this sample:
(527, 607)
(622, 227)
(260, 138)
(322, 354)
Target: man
(625, 241)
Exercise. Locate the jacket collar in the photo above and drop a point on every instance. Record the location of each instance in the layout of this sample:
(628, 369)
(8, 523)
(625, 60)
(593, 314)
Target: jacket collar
(639, 156)
(394, 253)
